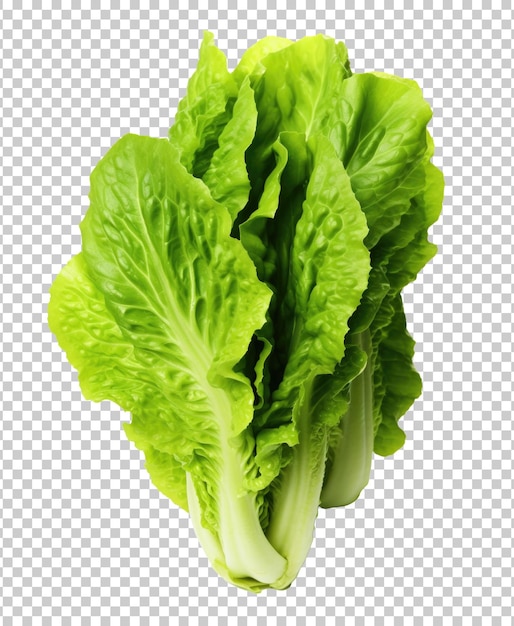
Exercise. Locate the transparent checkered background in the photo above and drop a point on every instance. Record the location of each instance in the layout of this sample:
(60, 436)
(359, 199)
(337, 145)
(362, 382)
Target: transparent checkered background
(84, 536)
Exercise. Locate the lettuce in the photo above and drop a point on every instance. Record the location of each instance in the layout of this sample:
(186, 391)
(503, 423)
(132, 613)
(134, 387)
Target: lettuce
(239, 289)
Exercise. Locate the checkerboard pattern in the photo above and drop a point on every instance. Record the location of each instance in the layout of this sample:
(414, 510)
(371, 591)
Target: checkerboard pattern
(84, 536)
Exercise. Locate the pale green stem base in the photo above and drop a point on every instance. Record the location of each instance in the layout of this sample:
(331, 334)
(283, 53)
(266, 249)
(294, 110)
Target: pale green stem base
(350, 470)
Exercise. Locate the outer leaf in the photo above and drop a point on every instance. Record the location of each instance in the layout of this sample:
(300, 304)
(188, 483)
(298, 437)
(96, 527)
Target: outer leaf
(377, 289)
(295, 92)
(379, 131)
(184, 296)
(402, 253)
(157, 245)
(214, 126)
(406, 250)
(321, 273)
(255, 231)
(226, 175)
(322, 268)
(205, 110)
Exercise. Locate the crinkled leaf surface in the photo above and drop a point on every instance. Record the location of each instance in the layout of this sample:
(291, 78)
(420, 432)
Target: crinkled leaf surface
(321, 270)
(205, 110)
(294, 91)
(227, 176)
(183, 300)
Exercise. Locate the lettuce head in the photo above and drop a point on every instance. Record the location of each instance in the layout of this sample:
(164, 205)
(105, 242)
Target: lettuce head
(239, 289)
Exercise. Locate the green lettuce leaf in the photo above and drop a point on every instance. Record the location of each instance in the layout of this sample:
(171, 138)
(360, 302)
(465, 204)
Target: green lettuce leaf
(294, 89)
(182, 299)
(227, 176)
(397, 378)
(320, 272)
(214, 126)
(205, 110)
(251, 61)
(379, 132)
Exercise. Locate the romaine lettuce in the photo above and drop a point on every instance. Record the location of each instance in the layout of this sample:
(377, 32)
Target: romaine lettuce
(239, 293)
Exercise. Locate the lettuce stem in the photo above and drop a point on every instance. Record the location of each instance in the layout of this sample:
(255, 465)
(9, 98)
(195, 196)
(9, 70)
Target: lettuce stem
(297, 494)
(239, 551)
(349, 472)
